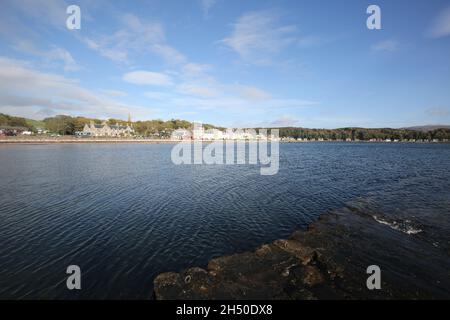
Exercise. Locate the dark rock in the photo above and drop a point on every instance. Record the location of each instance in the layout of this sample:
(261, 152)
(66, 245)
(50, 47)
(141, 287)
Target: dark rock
(328, 261)
(312, 276)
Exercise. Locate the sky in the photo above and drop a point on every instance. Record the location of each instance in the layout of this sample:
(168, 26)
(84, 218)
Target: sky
(246, 63)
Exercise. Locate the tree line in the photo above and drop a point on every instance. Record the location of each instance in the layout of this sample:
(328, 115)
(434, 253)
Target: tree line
(67, 125)
(10, 121)
(364, 134)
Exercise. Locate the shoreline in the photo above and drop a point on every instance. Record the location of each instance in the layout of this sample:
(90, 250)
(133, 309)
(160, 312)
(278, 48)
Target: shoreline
(81, 141)
(329, 260)
(11, 141)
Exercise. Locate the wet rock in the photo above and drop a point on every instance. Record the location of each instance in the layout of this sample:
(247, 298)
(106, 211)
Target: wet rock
(312, 276)
(168, 284)
(327, 261)
(305, 254)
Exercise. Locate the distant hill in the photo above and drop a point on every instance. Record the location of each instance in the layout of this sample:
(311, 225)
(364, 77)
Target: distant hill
(427, 128)
(35, 123)
(11, 121)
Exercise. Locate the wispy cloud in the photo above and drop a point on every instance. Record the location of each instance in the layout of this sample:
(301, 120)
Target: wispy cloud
(114, 53)
(438, 112)
(196, 80)
(257, 36)
(440, 26)
(196, 69)
(28, 92)
(194, 88)
(49, 12)
(17, 16)
(252, 93)
(54, 54)
(238, 104)
(386, 45)
(206, 6)
(168, 53)
(136, 37)
(142, 77)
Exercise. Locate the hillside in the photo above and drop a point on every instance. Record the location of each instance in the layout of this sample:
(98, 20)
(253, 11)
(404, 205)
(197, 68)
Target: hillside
(427, 128)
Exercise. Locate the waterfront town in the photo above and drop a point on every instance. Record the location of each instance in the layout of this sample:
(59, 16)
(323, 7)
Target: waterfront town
(85, 129)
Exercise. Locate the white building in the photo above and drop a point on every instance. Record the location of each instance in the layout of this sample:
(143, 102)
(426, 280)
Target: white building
(181, 134)
(197, 131)
(213, 134)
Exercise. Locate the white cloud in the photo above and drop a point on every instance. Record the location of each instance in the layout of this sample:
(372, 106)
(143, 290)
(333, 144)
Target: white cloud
(28, 92)
(206, 5)
(257, 36)
(168, 53)
(441, 25)
(147, 78)
(386, 45)
(54, 54)
(64, 55)
(196, 90)
(239, 104)
(116, 54)
(196, 81)
(136, 37)
(252, 93)
(438, 112)
(195, 69)
(51, 12)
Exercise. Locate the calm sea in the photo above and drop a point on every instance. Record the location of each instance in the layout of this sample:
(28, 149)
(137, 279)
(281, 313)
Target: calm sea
(124, 213)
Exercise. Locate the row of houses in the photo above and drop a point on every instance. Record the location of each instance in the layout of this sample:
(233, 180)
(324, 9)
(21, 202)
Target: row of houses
(199, 133)
(13, 131)
(106, 130)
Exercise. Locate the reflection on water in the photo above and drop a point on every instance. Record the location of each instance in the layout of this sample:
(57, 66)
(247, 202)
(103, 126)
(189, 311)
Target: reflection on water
(124, 212)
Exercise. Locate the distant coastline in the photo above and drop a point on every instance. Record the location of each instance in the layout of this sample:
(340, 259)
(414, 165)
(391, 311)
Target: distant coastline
(75, 140)
(62, 127)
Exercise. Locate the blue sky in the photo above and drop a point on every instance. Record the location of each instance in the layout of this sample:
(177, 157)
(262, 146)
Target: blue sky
(230, 63)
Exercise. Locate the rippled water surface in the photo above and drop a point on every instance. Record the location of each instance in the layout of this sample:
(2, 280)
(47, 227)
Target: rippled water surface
(124, 212)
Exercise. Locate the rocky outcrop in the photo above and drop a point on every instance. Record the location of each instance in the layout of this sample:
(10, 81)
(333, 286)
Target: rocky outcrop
(327, 261)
